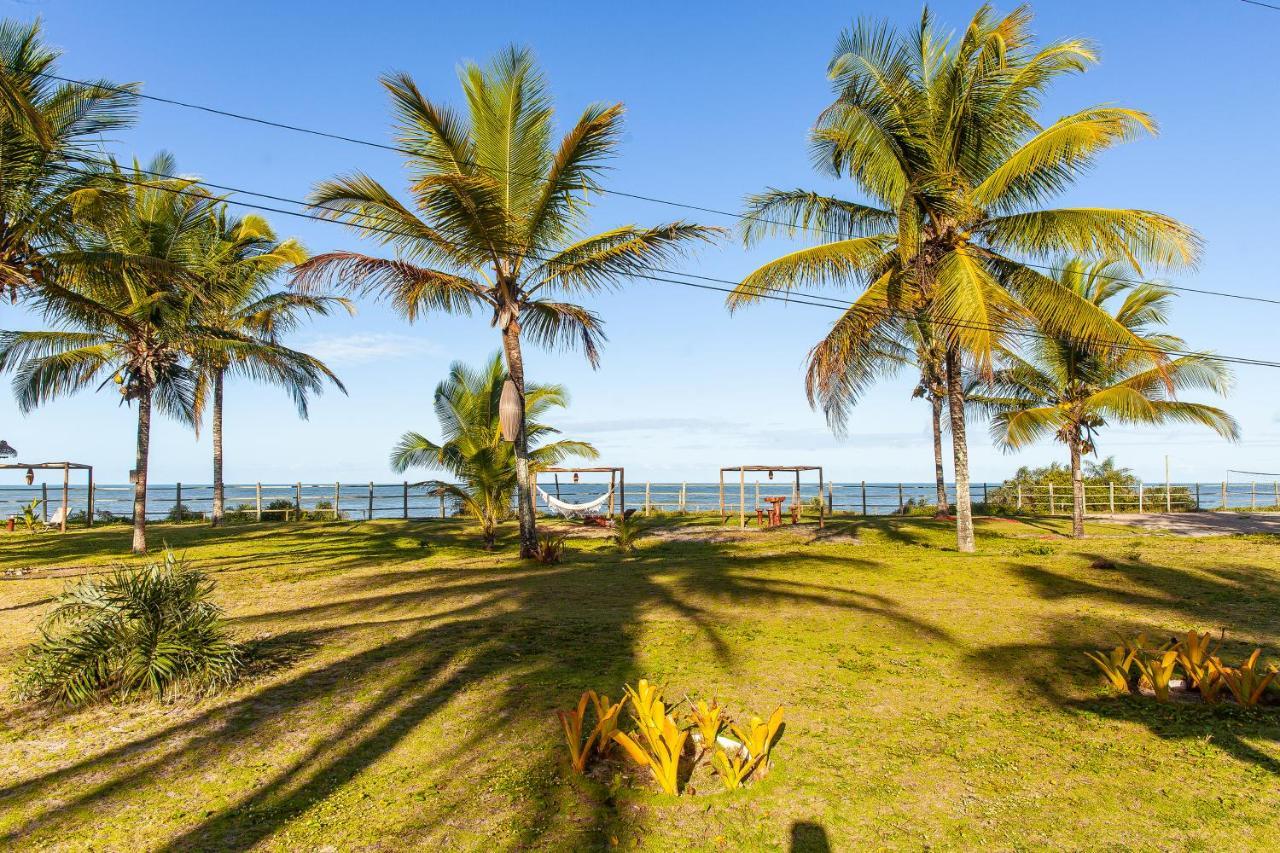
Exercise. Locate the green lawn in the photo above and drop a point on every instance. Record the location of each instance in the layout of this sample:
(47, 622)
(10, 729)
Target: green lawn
(408, 681)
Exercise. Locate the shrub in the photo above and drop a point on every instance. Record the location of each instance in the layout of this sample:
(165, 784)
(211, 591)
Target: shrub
(279, 509)
(627, 532)
(31, 515)
(550, 549)
(151, 631)
(181, 512)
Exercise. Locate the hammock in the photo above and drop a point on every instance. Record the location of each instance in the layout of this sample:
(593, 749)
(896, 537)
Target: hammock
(569, 510)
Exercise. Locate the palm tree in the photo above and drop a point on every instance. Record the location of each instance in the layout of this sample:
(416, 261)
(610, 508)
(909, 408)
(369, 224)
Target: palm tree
(473, 451)
(495, 221)
(47, 128)
(1071, 389)
(128, 291)
(240, 327)
(942, 137)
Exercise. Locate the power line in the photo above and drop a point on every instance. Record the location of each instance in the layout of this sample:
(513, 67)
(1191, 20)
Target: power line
(354, 140)
(1265, 6)
(761, 292)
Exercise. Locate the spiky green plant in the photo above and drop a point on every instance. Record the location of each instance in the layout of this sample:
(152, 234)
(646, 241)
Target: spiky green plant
(495, 222)
(148, 631)
(942, 137)
(472, 450)
(627, 531)
(1061, 386)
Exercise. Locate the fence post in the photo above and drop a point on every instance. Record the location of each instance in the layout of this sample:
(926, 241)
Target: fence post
(1111, 496)
(984, 491)
(682, 498)
(1019, 496)
(831, 498)
(258, 494)
(1253, 495)
(298, 494)
(1052, 508)
(646, 497)
(1224, 494)
(1168, 495)
(1141, 509)
(44, 501)
(864, 497)
(177, 501)
(1197, 497)
(405, 512)
(371, 500)
(442, 507)
(902, 508)
(337, 499)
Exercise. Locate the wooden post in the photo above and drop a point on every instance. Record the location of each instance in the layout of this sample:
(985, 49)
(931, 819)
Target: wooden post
(864, 497)
(258, 493)
(1111, 496)
(902, 504)
(1168, 494)
(1019, 496)
(405, 511)
(622, 490)
(984, 492)
(441, 495)
(683, 505)
(722, 512)
(66, 496)
(1224, 494)
(298, 494)
(337, 499)
(1198, 497)
(1141, 497)
(1052, 508)
(371, 500)
(757, 506)
(822, 516)
(89, 518)
(742, 497)
(831, 498)
(44, 501)
(647, 483)
(1253, 495)
(795, 499)
(177, 502)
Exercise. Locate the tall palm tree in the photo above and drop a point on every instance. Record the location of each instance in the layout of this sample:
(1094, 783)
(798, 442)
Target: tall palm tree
(1070, 389)
(495, 221)
(128, 291)
(47, 128)
(239, 329)
(473, 452)
(943, 139)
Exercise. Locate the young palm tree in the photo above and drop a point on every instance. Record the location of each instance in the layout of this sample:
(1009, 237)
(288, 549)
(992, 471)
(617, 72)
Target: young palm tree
(943, 138)
(240, 327)
(128, 292)
(473, 451)
(1071, 390)
(46, 127)
(495, 221)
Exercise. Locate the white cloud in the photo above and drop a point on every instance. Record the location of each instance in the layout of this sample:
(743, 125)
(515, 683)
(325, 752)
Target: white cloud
(363, 349)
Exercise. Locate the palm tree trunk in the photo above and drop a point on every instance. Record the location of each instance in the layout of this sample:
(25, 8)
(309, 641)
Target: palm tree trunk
(960, 453)
(524, 479)
(140, 466)
(1077, 491)
(217, 448)
(938, 473)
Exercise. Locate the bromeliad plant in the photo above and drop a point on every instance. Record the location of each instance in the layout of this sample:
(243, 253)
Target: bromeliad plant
(1247, 682)
(1195, 654)
(664, 743)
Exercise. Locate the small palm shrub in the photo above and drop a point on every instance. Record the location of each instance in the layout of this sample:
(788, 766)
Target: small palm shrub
(550, 550)
(31, 515)
(627, 532)
(150, 631)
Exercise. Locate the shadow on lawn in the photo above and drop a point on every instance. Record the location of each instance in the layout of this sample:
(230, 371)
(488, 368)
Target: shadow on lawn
(527, 638)
(1242, 601)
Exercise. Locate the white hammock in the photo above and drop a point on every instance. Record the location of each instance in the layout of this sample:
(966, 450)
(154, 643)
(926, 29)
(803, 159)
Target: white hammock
(569, 510)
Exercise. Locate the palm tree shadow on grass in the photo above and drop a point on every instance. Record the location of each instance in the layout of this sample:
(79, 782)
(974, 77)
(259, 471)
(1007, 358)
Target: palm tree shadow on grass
(1241, 600)
(529, 638)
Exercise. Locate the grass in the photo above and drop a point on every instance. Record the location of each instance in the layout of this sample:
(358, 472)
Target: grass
(408, 683)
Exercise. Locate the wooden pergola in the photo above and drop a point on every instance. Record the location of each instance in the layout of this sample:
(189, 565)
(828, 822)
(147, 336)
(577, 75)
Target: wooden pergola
(770, 469)
(616, 476)
(66, 468)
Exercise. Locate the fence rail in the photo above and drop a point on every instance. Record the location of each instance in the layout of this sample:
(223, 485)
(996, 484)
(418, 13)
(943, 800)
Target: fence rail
(286, 501)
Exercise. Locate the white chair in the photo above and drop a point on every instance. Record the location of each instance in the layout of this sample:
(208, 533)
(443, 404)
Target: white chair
(57, 518)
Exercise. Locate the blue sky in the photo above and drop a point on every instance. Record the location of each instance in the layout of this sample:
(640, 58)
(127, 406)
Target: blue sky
(719, 99)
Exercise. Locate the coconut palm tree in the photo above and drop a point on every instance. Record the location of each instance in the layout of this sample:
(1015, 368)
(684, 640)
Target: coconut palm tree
(942, 138)
(47, 127)
(495, 222)
(1070, 389)
(473, 451)
(239, 329)
(129, 289)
